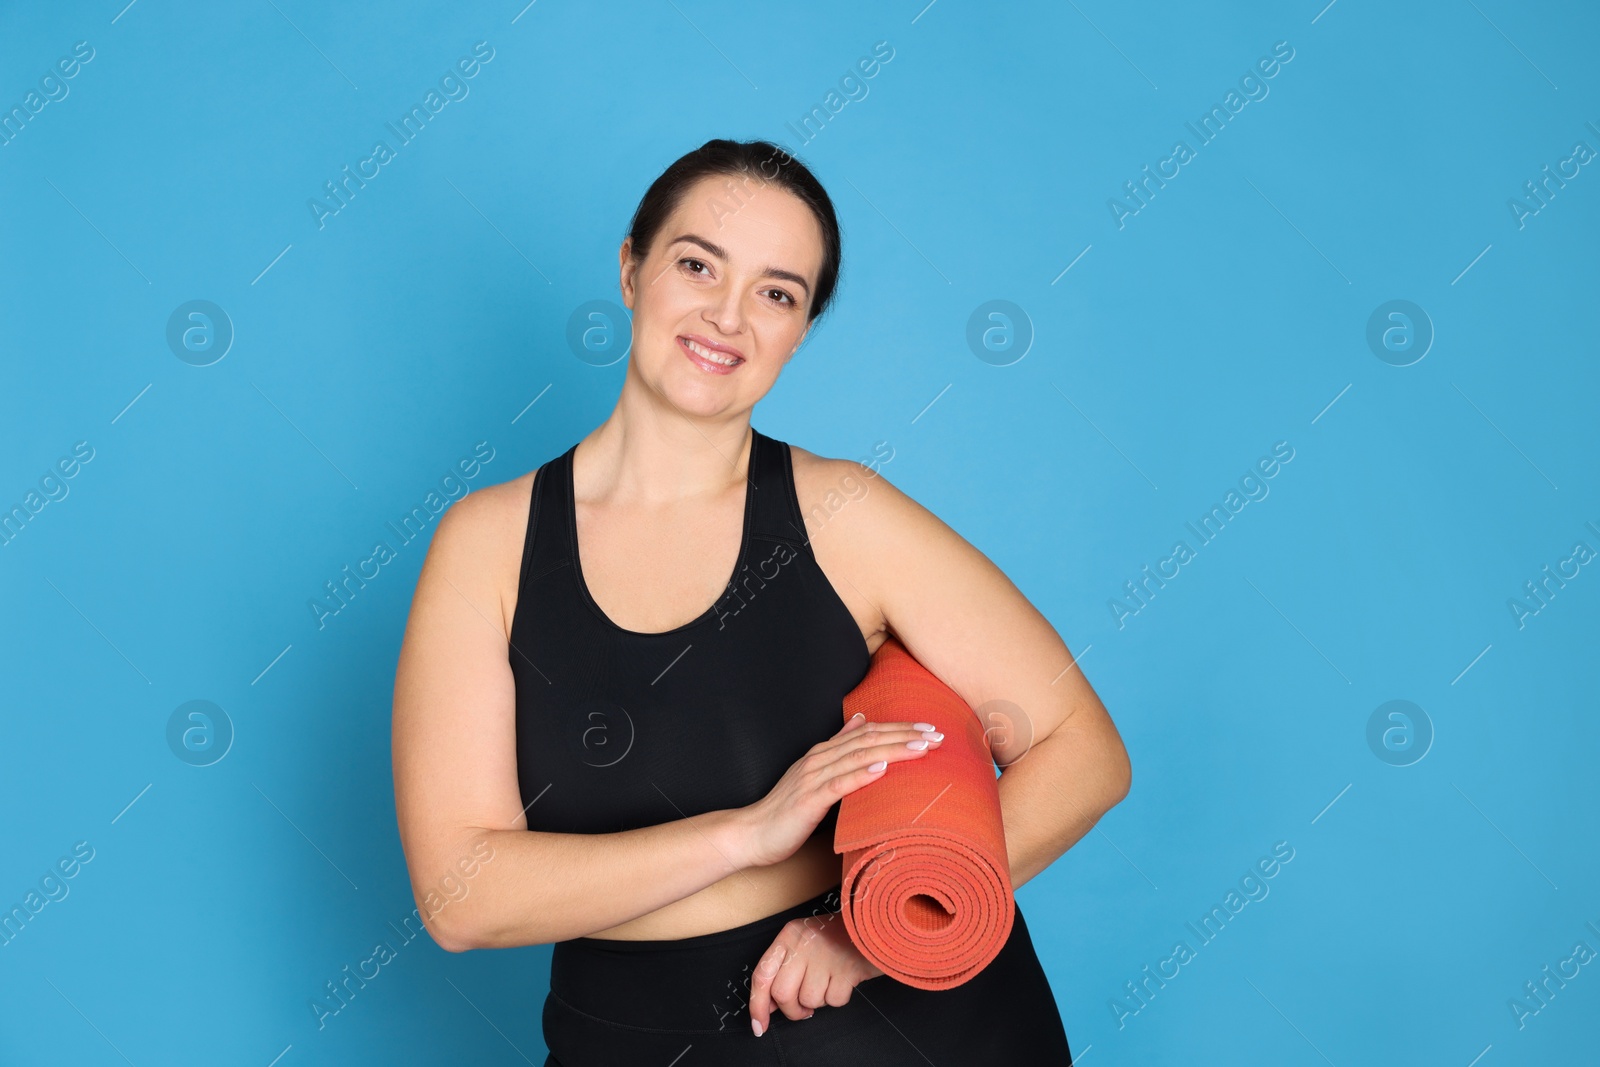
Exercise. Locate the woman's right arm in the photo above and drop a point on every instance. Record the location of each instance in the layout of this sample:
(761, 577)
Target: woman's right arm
(455, 769)
(455, 772)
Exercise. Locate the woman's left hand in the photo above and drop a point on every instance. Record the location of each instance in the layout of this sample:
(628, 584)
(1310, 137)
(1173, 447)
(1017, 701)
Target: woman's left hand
(811, 963)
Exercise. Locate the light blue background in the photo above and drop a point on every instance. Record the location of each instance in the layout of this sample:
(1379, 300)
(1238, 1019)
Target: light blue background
(1230, 313)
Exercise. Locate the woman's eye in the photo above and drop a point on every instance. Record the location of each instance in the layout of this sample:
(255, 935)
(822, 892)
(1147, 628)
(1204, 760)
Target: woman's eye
(699, 268)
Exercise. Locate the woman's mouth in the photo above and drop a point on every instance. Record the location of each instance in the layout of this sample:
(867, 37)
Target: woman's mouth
(709, 359)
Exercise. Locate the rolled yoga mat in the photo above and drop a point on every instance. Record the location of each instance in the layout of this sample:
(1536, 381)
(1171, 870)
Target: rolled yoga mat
(926, 889)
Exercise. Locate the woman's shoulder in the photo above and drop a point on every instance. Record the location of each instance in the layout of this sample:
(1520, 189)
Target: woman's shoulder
(831, 471)
(477, 545)
(853, 504)
(480, 537)
(490, 510)
(855, 492)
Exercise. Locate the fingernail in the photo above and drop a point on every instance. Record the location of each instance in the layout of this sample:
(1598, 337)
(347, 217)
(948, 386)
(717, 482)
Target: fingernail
(755, 1024)
(856, 716)
(916, 744)
(880, 765)
(803, 1018)
(933, 735)
(922, 726)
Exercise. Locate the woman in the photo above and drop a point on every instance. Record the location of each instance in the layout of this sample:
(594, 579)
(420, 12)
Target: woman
(586, 754)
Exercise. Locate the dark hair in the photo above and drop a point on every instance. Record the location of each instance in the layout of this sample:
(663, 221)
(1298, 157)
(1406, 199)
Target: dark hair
(740, 158)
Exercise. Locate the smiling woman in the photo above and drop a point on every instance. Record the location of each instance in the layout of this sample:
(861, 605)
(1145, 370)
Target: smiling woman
(659, 780)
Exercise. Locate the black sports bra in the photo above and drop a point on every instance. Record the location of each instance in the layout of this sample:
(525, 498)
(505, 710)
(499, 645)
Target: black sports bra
(618, 729)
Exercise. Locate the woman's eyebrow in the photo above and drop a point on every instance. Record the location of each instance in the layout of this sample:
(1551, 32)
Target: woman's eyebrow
(722, 253)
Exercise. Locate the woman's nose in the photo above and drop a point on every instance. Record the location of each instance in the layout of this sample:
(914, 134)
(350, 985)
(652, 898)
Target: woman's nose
(727, 312)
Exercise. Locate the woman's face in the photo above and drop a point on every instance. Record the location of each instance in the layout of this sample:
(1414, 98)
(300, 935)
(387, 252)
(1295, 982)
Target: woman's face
(731, 273)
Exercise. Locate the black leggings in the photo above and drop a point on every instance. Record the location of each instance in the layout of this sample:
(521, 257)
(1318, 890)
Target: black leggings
(683, 1003)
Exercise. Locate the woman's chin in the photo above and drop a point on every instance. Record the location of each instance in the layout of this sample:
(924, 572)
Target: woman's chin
(701, 398)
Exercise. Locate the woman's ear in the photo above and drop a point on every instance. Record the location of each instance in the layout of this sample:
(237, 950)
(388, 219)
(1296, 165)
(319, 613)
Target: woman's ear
(798, 343)
(625, 270)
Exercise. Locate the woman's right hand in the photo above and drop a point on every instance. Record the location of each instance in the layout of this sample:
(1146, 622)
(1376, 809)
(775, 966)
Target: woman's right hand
(779, 823)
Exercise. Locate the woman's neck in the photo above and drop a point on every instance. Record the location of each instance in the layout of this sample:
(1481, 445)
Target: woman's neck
(653, 453)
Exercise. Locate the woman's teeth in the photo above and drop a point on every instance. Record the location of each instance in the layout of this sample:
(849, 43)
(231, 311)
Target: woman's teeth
(706, 353)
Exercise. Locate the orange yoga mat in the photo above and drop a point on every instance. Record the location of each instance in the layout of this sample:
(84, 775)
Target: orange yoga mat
(926, 890)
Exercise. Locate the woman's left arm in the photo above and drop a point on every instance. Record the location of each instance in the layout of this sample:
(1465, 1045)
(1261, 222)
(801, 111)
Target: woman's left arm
(1063, 762)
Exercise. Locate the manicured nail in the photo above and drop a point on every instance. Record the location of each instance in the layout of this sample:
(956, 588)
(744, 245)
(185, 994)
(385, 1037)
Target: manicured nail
(933, 735)
(917, 744)
(808, 1015)
(880, 765)
(922, 726)
(755, 1024)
